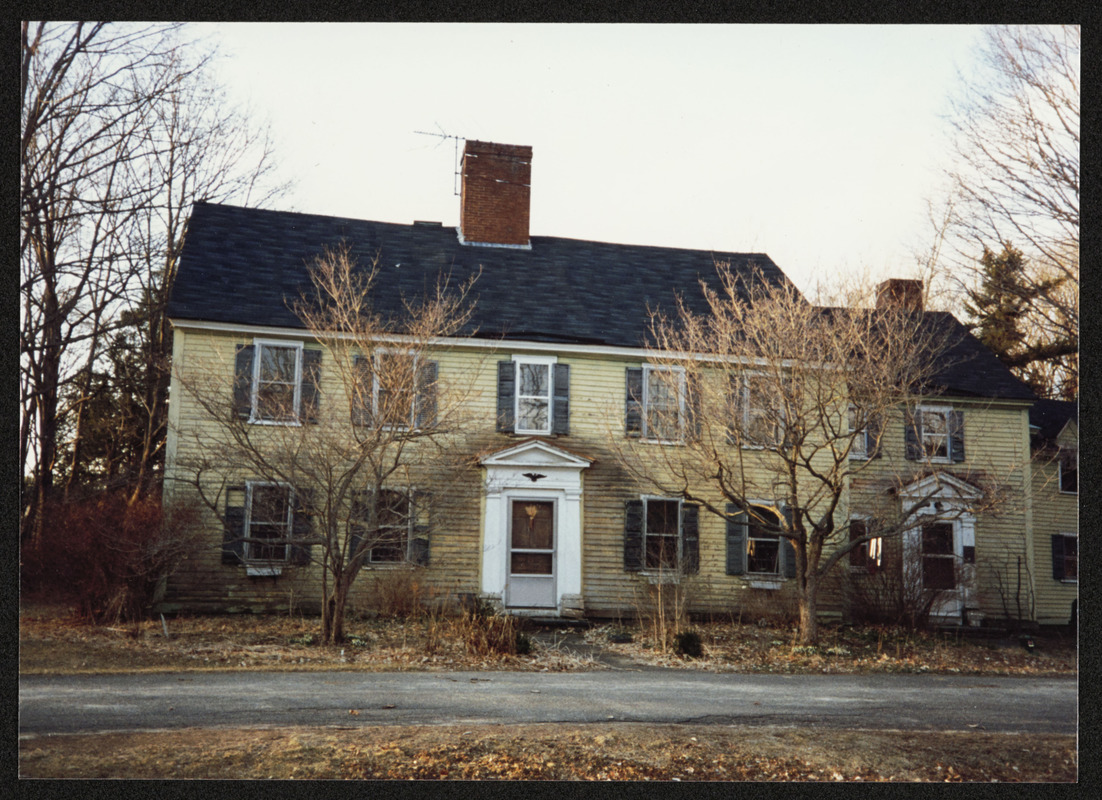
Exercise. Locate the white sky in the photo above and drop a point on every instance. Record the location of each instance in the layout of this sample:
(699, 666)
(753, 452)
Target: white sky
(818, 145)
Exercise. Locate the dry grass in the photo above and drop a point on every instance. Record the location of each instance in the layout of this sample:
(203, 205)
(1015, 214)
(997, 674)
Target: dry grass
(556, 752)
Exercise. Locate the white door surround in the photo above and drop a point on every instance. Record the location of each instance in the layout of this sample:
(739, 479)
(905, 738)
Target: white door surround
(534, 470)
(944, 499)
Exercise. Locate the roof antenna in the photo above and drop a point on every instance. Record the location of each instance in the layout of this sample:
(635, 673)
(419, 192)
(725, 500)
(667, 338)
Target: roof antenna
(442, 136)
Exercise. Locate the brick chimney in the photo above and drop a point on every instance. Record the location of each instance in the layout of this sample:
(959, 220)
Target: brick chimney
(900, 293)
(496, 194)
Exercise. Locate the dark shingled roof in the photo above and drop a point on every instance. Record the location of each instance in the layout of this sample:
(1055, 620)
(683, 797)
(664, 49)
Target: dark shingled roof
(1050, 417)
(243, 265)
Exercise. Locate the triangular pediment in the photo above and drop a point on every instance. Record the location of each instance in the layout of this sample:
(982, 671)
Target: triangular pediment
(941, 486)
(535, 453)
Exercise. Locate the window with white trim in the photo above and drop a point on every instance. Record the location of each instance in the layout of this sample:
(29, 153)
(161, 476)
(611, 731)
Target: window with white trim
(268, 522)
(394, 376)
(860, 446)
(390, 543)
(935, 433)
(663, 403)
(394, 389)
(662, 534)
(533, 395)
(756, 411)
(763, 549)
(277, 382)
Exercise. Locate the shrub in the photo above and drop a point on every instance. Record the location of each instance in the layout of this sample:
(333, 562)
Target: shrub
(688, 644)
(524, 644)
(397, 592)
(489, 634)
(106, 556)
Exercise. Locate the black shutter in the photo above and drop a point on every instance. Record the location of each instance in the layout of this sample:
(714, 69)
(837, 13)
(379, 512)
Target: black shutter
(634, 402)
(311, 384)
(506, 396)
(560, 406)
(872, 436)
(956, 436)
(243, 381)
(693, 410)
(233, 530)
(633, 535)
(787, 546)
(425, 399)
(690, 538)
(363, 390)
(419, 543)
(737, 524)
(300, 547)
(1058, 557)
(912, 429)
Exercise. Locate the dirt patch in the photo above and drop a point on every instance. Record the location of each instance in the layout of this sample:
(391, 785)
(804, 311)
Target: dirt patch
(555, 752)
(53, 642)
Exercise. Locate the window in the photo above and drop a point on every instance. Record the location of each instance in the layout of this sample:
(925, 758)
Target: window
(661, 535)
(533, 411)
(391, 540)
(1065, 557)
(268, 521)
(935, 433)
(756, 411)
(866, 556)
(1069, 471)
(938, 562)
(859, 448)
(276, 383)
(663, 403)
(755, 547)
(533, 396)
(763, 549)
(394, 389)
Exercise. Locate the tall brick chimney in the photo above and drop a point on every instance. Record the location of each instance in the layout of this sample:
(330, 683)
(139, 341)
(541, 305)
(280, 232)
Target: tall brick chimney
(496, 194)
(900, 293)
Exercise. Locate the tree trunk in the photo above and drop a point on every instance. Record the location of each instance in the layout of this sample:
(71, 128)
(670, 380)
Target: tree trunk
(809, 607)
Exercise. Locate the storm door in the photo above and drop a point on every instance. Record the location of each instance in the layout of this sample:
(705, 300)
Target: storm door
(531, 582)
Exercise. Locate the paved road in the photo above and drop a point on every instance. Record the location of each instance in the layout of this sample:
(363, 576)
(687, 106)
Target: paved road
(88, 703)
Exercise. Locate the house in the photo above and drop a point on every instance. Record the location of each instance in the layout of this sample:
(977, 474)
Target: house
(1054, 425)
(556, 346)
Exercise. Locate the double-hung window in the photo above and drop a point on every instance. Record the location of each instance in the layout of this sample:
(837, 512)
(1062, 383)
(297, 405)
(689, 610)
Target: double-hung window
(533, 395)
(663, 403)
(935, 434)
(394, 389)
(391, 541)
(268, 522)
(763, 549)
(756, 411)
(1065, 557)
(1069, 471)
(661, 535)
(276, 382)
(755, 546)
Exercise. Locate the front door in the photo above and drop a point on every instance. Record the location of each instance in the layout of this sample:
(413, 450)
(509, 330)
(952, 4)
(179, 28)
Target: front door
(531, 567)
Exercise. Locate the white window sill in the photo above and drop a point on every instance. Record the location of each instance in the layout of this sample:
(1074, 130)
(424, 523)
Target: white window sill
(1072, 581)
(664, 442)
(656, 578)
(255, 570)
(289, 423)
(766, 583)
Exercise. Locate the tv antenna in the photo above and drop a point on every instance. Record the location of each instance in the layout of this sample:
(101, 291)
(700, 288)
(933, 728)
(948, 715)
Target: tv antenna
(442, 136)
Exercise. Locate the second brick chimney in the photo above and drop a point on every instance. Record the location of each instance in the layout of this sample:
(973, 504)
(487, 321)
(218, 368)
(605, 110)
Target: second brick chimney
(900, 293)
(496, 194)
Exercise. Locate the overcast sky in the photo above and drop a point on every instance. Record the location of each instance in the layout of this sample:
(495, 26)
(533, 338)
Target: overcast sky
(818, 145)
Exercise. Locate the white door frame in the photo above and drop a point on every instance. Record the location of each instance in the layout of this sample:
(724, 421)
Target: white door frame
(536, 470)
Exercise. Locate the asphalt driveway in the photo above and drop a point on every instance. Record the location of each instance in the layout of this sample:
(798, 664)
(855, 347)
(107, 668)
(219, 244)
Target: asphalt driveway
(95, 703)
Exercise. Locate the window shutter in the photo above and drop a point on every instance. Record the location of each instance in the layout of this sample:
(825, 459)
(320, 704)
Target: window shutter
(633, 422)
(311, 384)
(872, 436)
(956, 436)
(912, 428)
(787, 546)
(243, 381)
(425, 400)
(690, 538)
(1058, 557)
(560, 405)
(633, 535)
(233, 531)
(300, 549)
(737, 525)
(506, 396)
(419, 534)
(362, 390)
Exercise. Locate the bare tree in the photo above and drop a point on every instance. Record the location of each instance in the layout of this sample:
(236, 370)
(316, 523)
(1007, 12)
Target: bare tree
(357, 450)
(1015, 180)
(766, 410)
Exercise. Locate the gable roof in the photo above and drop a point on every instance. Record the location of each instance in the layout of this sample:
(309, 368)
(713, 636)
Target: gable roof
(244, 265)
(969, 369)
(1050, 417)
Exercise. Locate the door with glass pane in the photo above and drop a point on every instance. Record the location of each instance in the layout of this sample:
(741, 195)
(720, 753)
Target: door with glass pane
(531, 582)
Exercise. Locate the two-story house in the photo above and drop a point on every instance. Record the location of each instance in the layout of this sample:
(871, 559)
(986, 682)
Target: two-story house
(547, 521)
